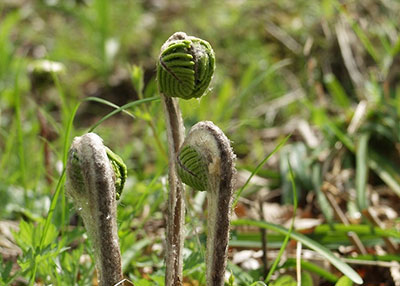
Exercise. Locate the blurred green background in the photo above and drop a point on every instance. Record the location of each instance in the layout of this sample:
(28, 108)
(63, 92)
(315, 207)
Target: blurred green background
(327, 72)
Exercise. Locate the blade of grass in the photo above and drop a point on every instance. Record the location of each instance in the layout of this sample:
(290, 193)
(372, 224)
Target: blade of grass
(378, 164)
(365, 41)
(259, 78)
(106, 102)
(126, 106)
(340, 135)
(384, 170)
(9, 138)
(53, 204)
(257, 283)
(64, 103)
(326, 234)
(137, 77)
(396, 48)
(322, 200)
(337, 91)
(371, 257)
(306, 265)
(322, 250)
(362, 171)
(286, 240)
(20, 140)
(344, 281)
(279, 146)
(358, 31)
(7, 49)
(342, 229)
(56, 195)
(67, 141)
(117, 109)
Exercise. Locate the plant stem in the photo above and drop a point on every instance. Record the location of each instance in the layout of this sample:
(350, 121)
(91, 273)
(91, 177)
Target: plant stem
(91, 185)
(219, 200)
(176, 203)
(185, 68)
(207, 162)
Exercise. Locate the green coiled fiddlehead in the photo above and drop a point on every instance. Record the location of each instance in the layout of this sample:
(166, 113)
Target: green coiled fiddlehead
(120, 171)
(92, 184)
(191, 168)
(206, 162)
(185, 67)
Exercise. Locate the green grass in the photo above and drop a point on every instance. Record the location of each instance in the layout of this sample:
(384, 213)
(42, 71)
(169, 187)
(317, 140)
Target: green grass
(265, 83)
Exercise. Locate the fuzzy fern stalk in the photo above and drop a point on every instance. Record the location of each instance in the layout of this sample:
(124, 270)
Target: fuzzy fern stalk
(95, 178)
(185, 68)
(206, 162)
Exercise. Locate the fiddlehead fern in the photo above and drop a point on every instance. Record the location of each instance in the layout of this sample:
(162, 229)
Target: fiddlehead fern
(192, 168)
(206, 162)
(91, 184)
(120, 171)
(185, 67)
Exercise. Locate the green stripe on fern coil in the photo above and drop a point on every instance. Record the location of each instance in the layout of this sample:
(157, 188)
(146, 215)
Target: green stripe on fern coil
(192, 168)
(185, 67)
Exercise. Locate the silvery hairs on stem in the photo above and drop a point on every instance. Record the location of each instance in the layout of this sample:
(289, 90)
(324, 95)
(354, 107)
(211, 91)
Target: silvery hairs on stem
(206, 162)
(184, 69)
(94, 175)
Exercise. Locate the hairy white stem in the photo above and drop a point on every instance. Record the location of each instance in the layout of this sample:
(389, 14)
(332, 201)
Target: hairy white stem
(91, 185)
(176, 202)
(215, 151)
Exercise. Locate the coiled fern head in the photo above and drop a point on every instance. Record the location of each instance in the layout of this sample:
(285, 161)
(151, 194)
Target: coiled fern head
(192, 168)
(185, 67)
